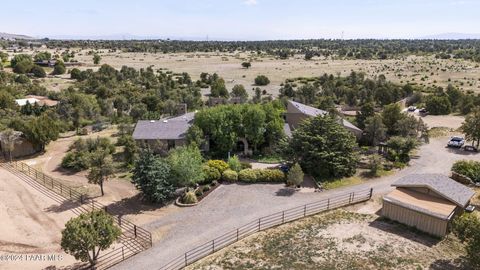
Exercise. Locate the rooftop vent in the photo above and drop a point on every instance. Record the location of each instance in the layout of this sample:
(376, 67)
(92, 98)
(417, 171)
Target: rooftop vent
(152, 121)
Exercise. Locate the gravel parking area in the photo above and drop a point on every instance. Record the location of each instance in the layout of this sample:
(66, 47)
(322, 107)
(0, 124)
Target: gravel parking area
(231, 206)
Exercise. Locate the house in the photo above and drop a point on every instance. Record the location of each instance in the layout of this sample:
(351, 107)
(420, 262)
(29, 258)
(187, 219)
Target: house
(428, 202)
(298, 112)
(164, 134)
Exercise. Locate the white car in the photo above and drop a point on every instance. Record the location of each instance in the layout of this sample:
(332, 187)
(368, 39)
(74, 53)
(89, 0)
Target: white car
(456, 141)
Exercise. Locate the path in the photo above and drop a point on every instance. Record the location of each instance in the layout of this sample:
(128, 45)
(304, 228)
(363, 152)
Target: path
(231, 206)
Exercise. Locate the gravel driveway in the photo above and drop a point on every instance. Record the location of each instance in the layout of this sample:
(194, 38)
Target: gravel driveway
(234, 205)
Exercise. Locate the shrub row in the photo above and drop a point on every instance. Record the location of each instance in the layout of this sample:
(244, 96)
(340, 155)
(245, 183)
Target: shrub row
(261, 175)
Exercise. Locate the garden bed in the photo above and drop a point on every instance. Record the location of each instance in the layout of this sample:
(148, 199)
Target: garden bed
(204, 194)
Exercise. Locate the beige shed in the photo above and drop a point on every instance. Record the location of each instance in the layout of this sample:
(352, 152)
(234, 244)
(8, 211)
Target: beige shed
(427, 202)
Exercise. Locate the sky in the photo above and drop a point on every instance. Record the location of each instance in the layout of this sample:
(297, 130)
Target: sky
(240, 19)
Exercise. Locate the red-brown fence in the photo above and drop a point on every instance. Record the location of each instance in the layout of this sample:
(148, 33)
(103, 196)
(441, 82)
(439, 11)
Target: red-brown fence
(266, 222)
(134, 239)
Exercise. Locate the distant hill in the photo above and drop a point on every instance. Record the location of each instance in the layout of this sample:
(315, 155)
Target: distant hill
(452, 36)
(14, 36)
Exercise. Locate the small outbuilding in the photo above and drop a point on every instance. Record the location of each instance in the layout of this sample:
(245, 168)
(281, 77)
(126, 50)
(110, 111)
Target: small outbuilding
(428, 202)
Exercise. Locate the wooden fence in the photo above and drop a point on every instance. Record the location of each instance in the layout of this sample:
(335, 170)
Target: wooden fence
(264, 223)
(134, 239)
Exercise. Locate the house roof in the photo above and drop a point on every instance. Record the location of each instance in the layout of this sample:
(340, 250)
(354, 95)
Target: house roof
(23, 101)
(173, 128)
(308, 110)
(311, 111)
(440, 184)
(421, 202)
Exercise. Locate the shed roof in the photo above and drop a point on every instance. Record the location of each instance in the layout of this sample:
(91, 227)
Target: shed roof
(421, 202)
(439, 183)
(173, 128)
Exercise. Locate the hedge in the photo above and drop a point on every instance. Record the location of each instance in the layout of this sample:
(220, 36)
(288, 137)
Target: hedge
(211, 174)
(468, 168)
(261, 175)
(218, 164)
(230, 175)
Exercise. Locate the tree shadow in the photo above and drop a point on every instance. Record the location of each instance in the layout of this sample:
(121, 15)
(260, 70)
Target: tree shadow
(461, 151)
(285, 192)
(133, 205)
(452, 264)
(404, 231)
(62, 207)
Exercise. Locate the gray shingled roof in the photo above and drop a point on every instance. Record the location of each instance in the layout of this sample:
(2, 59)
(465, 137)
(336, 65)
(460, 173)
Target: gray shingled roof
(441, 184)
(308, 110)
(164, 129)
(311, 111)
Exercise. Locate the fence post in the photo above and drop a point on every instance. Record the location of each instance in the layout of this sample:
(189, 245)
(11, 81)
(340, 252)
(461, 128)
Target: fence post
(259, 220)
(186, 260)
(371, 191)
(52, 183)
(81, 198)
(93, 207)
(328, 203)
(237, 235)
(353, 196)
(213, 246)
(119, 221)
(349, 198)
(135, 230)
(70, 190)
(61, 188)
(305, 211)
(283, 217)
(123, 254)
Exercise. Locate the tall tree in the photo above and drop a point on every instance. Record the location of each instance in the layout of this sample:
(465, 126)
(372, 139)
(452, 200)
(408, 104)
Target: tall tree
(9, 138)
(88, 234)
(152, 175)
(96, 59)
(323, 148)
(186, 165)
(471, 126)
(366, 110)
(391, 115)
(375, 130)
(101, 168)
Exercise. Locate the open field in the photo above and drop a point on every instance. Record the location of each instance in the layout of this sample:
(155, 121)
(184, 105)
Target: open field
(31, 224)
(421, 70)
(339, 240)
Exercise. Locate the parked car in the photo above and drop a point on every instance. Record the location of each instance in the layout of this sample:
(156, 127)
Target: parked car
(470, 148)
(456, 141)
(412, 108)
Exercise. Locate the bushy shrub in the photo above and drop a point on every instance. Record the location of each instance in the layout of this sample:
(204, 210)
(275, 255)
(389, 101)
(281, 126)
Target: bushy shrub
(262, 80)
(261, 175)
(468, 168)
(234, 163)
(199, 192)
(206, 188)
(76, 161)
(245, 165)
(211, 174)
(218, 164)
(230, 175)
(270, 175)
(295, 175)
(189, 198)
(247, 175)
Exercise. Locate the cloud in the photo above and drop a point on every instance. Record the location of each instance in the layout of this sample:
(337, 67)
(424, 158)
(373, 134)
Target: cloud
(250, 2)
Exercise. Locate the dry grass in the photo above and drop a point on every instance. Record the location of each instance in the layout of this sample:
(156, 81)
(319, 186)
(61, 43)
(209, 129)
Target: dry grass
(338, 240)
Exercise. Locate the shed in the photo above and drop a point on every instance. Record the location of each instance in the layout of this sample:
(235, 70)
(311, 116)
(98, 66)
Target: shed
(428, 202)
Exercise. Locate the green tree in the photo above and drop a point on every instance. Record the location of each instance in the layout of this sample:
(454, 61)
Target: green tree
(186, 165)
(391, 115)
(59, 68)
(246, 65)
(130, 149)
(471, 126)
(262, 80)
(467, 228)
(399, 148)
(42, 56)
(101, 168)
(323, 148)
(295, 175)
(366, 110)
(7, 101)
(21, 63)
(8, 139)
(3, 57)
(195, 136)
(240, 92)
(375, 130)
(152, 176)
(438, 105)
(218, 88)
(42, 130)
(88, 234)
(407, 126)
(96, 59)
(38, 71)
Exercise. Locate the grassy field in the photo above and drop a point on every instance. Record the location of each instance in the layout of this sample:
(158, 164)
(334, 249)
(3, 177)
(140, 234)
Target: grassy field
(339, 240)
(421, 70)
